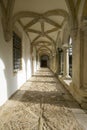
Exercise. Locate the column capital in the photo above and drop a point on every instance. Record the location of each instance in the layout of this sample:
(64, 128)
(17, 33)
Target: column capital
(65, 46)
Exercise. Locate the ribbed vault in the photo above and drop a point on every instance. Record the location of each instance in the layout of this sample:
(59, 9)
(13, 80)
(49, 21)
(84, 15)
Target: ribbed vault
(41, 20)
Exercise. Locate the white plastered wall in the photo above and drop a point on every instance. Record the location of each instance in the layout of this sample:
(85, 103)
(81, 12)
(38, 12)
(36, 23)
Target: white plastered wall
(34, 60)
(10, 81)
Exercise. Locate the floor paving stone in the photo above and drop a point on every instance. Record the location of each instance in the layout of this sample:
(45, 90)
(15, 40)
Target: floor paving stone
(42, 103)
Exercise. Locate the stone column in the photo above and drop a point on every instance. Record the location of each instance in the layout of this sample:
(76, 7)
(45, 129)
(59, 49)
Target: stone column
(66, 63)
(57, 65)
(51, 62)
(32, 58)
(83, 63)
(61, 63)
(54, 62)
(76, 58)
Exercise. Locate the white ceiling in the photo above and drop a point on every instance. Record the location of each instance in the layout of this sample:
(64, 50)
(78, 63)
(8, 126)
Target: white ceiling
(36, 26)
(39, 6)
(26, 20)
(41, 25)
(58, 19)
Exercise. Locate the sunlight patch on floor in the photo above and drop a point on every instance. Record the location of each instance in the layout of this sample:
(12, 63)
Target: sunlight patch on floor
(41, 104)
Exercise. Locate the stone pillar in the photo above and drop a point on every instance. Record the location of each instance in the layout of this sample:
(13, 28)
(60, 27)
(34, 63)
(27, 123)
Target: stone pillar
(39, 62)
(66, 63)
(61, 63)
(84, 56)
(76, 57)
(36, 60)
(51, 62)
(57, 65)
(32, 58)
(54, 63)
(79, 73)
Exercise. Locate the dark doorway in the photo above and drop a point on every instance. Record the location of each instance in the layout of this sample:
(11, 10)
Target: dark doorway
(44, 61)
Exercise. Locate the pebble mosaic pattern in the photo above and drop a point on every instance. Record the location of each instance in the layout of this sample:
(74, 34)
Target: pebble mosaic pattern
(41, 104)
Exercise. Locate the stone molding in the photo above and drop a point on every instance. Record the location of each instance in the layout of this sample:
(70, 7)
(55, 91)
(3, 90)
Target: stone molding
(7, 18)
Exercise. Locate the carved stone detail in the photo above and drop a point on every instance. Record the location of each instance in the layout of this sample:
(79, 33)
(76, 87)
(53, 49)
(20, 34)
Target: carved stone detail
(7, 19)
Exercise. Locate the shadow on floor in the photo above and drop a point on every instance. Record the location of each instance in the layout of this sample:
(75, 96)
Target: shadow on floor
(52, 98)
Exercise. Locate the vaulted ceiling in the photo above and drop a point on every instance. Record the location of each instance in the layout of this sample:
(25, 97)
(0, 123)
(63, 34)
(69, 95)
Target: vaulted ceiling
(41, 19)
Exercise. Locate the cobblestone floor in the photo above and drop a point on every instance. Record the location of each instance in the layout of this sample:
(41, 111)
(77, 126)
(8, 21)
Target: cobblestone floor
(41, 104)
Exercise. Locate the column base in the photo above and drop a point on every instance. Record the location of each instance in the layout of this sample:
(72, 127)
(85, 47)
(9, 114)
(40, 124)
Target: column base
(67, 77)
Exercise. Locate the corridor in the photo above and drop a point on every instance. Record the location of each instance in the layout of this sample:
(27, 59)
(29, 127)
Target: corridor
(42, 103)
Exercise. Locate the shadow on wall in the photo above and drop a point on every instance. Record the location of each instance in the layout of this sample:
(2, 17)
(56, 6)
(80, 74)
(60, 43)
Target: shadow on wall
(6, 82)
(10, 82)
(3, 83)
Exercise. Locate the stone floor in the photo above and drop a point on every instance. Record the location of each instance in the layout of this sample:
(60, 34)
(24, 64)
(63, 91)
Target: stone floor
(42, 103)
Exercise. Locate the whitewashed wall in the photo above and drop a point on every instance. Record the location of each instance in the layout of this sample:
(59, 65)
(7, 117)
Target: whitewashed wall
(10, 81)
(34, 60)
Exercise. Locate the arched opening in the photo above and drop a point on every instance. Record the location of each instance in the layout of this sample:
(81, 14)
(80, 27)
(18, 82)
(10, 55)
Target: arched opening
(44, 61)
(70, 56)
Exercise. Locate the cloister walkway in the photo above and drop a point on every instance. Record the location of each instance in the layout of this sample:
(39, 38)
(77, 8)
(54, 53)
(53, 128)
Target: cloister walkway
(42, 103)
